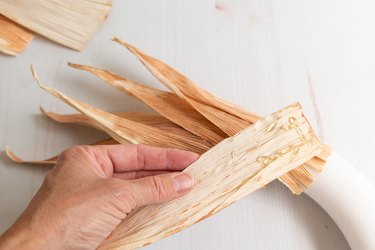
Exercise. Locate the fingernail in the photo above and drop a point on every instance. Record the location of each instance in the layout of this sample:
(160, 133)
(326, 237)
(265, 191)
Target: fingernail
(182, 183)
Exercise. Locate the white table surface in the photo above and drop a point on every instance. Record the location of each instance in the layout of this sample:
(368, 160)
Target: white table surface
(261, 54)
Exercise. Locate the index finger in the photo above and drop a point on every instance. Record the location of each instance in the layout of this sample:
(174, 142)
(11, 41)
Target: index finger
(124, 158)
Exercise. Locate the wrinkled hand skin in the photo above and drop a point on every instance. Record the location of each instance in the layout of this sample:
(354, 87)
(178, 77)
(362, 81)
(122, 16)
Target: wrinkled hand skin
(91, 189)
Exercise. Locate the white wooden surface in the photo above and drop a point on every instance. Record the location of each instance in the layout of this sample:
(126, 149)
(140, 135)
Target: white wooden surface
(261, 54)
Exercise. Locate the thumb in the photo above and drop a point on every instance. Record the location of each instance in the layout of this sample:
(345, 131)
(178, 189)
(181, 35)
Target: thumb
(159, 188)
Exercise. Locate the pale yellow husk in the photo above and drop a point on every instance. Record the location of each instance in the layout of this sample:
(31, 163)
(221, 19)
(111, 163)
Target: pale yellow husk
(67, 22)
(226, 173)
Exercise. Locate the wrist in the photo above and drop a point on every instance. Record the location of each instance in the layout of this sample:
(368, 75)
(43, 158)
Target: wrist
(22, 236)
(15, 238)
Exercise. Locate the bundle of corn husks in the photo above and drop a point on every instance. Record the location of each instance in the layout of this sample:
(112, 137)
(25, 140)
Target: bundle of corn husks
(242, 152)
(68, 22)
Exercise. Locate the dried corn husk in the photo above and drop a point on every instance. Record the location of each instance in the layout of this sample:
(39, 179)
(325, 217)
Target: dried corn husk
(226, 173)
(150, 119)
(184, 87)
(297, 180)
(167, 104)
(202, 118)
(228, 117)
(164, 103)
(124, 130)
(67, 22)
(13, 38)
(181, 113)
(17, 159)
(292, 178)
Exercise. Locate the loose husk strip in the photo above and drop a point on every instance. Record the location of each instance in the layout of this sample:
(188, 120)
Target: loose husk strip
(67, 22)
(176, 82)
(13, 38)
(226, 173)
(153, 120)
(150, 119)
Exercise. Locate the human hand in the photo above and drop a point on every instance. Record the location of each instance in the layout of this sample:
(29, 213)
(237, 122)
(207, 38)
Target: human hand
(91, 189)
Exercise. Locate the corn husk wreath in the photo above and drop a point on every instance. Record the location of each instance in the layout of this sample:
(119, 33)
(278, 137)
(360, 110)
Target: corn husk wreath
(238, 157)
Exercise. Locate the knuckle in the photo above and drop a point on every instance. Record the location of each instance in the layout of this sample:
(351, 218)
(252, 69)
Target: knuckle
(158, 188)
(50, 179)
(118, 188)
(121, 195)
(82, 150)
(115, 186)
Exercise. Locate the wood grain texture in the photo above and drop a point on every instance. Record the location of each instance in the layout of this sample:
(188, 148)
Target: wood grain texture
(259, 54)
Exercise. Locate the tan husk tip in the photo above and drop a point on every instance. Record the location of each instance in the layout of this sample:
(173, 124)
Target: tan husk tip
(13, 38)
